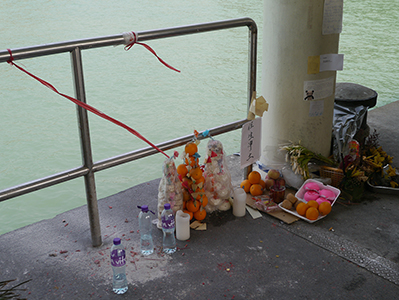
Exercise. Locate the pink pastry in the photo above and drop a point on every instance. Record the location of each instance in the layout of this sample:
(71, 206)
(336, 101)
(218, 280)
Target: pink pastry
(321, 199)
(311, 186)
(311, 195)
(328, 194)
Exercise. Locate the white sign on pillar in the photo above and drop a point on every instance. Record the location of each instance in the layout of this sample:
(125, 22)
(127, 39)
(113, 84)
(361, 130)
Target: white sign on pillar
(332, 16)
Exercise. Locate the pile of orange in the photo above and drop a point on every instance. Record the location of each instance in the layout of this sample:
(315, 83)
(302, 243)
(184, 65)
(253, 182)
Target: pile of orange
(254, 184)
(312, 209)
(193, 180)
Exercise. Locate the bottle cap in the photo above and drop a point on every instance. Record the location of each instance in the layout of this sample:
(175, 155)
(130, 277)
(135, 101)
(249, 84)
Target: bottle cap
(167, 206)
(144, 208)
(117, 241)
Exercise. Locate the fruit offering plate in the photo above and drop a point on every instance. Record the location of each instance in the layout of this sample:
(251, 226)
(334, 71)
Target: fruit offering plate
(301, 193)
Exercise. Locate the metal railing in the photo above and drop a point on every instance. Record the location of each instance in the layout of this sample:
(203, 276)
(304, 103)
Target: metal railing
(89, 167)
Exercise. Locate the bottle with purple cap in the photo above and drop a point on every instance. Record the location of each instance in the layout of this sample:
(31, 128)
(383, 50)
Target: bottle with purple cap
(145, 224)
(118, 263)
(168, 228)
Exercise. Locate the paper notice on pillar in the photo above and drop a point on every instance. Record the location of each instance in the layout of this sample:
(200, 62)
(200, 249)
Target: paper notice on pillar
(316, 108)
(250, 142)
(331, 62)
(332, 16)
(318, 89)
(313, 64)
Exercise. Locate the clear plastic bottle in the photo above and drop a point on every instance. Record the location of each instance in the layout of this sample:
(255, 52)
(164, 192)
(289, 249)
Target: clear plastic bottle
(118, 263)
(168, 228)
(145, 224)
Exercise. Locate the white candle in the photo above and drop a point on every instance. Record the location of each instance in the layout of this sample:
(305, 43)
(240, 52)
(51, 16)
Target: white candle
(240, 198)
(182, 225)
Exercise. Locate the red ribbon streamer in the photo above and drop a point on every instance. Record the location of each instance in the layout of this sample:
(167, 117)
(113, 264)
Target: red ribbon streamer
(130, 45)
(85, 105)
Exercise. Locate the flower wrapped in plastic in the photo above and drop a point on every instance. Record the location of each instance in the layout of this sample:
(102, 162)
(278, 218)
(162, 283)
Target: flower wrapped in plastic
(218, 187)
(169, 190)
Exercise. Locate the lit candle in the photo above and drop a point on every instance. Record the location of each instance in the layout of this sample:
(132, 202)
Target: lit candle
(182, 225)
(240, 198)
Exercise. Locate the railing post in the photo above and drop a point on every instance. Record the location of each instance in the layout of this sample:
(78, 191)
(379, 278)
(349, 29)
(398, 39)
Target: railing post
(91, 194)
(253, 38)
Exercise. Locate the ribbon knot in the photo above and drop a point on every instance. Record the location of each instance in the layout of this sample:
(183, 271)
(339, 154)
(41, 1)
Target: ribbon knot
(10, 61)
(131, 38)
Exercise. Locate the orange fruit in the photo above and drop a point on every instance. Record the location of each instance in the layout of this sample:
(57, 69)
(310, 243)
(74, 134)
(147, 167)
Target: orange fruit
(193, 206)
(200, 214)
(254, 177)
(200, 190)
(312, 213)
(190, 213)
(262, 183)
(204, 201)
(182, 170)
(246, 185)
(195, 173)
(191, 161)
(191, 148)
(186, 195)
(184, 205)
(302, 208)
(325, 208)
(198, 181)
(256, 189)
(313, 203)
(199, 194)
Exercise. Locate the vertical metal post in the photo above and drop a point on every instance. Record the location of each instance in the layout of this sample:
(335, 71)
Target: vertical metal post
(253, 36)
(91, 194)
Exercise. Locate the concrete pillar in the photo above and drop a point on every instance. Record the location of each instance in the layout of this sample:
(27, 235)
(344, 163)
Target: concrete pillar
(292, 33)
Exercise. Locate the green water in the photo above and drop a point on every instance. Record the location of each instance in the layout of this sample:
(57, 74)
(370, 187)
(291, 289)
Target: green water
(39, 134)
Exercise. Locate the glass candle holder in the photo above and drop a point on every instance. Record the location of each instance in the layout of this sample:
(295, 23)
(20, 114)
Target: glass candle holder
(277, 194)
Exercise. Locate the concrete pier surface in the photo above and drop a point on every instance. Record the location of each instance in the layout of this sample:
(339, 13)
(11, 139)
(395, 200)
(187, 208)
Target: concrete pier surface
(353, 253)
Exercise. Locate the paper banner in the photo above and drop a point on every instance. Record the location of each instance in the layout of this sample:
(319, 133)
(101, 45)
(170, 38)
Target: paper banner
(250, 142)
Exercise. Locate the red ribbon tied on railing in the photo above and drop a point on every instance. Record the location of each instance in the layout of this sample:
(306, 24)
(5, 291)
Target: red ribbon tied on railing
(85, 105)
(131, 39)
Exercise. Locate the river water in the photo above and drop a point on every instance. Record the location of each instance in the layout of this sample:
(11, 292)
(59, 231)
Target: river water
(39, 134)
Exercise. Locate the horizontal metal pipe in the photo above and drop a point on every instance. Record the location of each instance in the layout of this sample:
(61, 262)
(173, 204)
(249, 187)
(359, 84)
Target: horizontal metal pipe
(113, 40)
(197, 28)
(109, 163)
(42, 183)
(140, 153)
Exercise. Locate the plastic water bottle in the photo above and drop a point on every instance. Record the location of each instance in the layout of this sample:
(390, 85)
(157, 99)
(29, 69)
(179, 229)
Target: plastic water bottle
(168, 228)
(118, 263)
(146, 243)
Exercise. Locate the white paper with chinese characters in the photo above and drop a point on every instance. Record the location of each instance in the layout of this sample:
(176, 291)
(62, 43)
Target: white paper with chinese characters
(250, 142)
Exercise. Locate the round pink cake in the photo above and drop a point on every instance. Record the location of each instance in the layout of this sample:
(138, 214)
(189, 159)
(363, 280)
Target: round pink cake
(311, 186)
(328, 194)
(311, 195)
